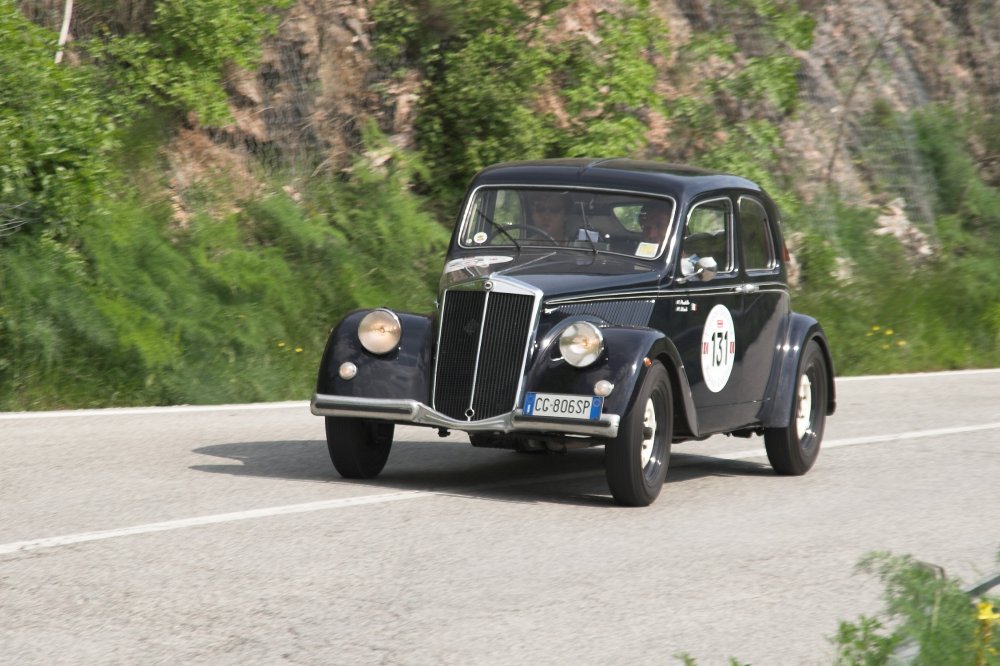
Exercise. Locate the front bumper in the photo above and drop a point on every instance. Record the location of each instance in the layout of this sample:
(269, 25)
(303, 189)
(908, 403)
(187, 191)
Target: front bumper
(417, 413)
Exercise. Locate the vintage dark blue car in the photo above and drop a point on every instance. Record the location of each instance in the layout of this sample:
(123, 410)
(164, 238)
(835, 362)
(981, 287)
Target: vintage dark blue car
(584, 303)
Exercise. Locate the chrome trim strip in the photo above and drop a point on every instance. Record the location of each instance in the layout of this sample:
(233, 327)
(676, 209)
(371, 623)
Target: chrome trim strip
(608, 296)
(667, 292)
(437, 343)
(417, 413)
(479, 350)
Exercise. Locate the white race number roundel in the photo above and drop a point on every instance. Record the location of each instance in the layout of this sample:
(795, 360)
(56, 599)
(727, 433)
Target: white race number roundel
(718, 348)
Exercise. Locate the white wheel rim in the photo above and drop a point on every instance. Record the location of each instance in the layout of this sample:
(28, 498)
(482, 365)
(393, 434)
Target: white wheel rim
(648, 421)
(803, 419)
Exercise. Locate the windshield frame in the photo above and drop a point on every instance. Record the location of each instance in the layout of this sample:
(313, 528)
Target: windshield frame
(474, 217)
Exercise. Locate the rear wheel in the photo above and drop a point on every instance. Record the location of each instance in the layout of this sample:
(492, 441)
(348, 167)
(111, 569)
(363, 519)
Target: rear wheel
(793, 449)
(358, 448)
(636, 460)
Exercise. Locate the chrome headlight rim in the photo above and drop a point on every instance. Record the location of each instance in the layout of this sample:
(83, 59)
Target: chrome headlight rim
(581, 344)
(380, 331)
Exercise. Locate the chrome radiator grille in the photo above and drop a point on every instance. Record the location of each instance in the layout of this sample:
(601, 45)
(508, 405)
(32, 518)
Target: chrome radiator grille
(481, 352)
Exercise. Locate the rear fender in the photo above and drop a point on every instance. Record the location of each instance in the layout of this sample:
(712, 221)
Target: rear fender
(777, 412)
(403, 373)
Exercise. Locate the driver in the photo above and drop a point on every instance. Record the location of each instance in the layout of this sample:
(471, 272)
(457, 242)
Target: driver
(549, 212)
(655, 220)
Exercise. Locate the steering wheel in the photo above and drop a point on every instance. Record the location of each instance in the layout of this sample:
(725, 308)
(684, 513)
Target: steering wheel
(529, 230)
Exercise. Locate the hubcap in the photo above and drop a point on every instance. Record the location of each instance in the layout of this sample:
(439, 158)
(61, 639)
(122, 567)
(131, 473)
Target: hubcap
(803, 419)
(649, 425)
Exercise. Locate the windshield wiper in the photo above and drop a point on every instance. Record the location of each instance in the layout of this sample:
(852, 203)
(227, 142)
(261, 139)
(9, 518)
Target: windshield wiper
(499, 228)
(586, 228)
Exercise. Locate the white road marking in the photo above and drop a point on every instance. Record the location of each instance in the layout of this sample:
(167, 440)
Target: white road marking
(942, 373)
(346, 502)
(140, 411)
(873, 439)
(65, 540)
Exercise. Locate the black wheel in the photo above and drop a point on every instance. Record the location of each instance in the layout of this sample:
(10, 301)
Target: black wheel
(358, 448)
(636, 460)
(794, 448)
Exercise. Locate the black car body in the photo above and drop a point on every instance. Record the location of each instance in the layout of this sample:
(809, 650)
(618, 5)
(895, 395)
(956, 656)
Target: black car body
(598, 333)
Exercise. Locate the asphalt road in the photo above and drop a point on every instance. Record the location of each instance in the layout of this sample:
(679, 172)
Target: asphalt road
(223, 536)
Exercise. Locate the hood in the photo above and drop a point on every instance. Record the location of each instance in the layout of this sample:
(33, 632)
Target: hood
(558, 274)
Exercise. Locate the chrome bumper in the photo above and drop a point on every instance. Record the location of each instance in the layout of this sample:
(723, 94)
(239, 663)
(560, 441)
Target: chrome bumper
(417, 413)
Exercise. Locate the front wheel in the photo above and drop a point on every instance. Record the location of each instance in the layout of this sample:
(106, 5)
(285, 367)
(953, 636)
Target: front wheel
(358, 448)
(636, 460)
(793, 449)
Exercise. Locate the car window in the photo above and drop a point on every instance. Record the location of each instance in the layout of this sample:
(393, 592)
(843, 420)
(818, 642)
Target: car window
(755, 235)
(708, 233)
(608, 221)
(628, 214)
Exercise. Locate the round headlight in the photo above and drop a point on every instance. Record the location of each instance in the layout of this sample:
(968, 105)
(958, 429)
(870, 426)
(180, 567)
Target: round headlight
(581, 343)
(379, 331)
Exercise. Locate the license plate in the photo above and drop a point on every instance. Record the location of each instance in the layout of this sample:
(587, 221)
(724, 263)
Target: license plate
(587, 407)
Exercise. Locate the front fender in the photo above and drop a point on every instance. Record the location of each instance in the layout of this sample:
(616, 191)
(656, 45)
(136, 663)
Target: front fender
(622, 364)
(777, 412)
(403, 373)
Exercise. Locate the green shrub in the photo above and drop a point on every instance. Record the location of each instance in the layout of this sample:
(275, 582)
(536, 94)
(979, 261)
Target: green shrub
(232, 309)
(927, 615)
(179, 56)
(56, 130)
(500, 84)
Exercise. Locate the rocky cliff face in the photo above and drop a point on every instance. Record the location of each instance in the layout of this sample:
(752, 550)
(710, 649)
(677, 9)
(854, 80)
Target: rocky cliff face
(903, 54)
(313, 90)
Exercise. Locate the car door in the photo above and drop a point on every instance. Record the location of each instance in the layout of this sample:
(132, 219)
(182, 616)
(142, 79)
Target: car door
(706, 312)
(765, 300)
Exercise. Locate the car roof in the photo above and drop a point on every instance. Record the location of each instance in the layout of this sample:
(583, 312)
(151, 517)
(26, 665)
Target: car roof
(683, 182)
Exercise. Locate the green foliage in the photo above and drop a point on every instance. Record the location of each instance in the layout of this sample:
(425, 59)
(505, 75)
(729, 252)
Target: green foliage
(927, 611)
(181, 58)
(107, 301)
(727, 122)
(56, 131)
(893, 313)
(59, 124)
(943, 136)
(500, 83)
(231, 309)
(390, 250)
(608, 88)
(891, 316)
(477, 109)
(768, 74)
(861, 644)
(784, 22)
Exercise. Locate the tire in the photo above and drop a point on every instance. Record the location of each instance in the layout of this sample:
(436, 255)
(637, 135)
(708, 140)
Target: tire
(636, 465)
(792, 450)
(358, 448)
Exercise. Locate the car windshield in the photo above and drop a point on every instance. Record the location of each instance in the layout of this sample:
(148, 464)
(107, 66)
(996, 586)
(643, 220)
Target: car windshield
(599, 221)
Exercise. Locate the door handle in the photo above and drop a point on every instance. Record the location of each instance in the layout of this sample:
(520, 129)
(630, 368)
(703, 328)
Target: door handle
(747, 289)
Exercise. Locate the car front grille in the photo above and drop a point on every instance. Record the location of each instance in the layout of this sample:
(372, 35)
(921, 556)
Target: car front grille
(481, 352)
